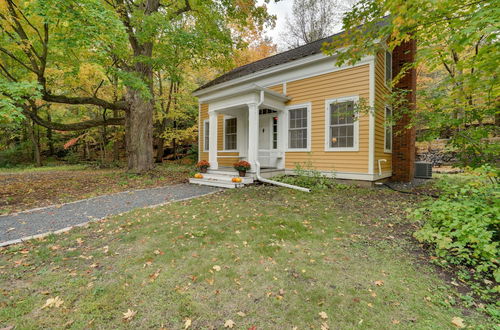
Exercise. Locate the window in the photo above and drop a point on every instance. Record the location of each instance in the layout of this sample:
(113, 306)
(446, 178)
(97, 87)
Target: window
(388, 68)
(230, 134)
(206, 135)
(342, 124)
(298, 131)
(388, 129)
(275, 132)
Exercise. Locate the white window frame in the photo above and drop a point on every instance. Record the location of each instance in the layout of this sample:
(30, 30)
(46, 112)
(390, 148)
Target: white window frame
(308, 106)
(224, 134)
(355, 146)
(386, 51)
(385, 128)
(205, 145)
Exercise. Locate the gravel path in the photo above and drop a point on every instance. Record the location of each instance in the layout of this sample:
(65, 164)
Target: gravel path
(22, 225)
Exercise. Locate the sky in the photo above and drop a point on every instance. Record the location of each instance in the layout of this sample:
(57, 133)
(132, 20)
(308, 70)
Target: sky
(281, 9)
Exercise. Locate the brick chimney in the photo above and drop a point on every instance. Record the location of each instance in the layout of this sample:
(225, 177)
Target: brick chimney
(403, 139)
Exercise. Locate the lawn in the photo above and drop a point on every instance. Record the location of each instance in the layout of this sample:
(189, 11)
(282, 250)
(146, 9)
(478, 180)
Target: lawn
(260, 257)
(24, 188)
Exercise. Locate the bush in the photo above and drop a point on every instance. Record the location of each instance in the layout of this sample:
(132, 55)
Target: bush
(306, 176)
(462, 225)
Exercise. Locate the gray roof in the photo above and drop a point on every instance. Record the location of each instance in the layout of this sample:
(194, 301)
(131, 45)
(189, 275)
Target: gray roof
(281, 58)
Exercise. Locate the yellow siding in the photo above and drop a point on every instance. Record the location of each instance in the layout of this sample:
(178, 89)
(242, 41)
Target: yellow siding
(317, 89)
(220, 142)
(380, 96)
(277, 88)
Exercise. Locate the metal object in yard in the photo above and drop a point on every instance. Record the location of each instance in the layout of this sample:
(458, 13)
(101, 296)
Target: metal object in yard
(423, 170)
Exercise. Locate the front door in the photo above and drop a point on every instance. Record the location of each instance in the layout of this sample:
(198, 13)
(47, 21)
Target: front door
(268, 140)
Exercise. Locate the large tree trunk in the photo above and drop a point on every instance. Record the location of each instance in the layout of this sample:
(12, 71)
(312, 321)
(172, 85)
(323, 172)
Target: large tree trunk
(139, 132)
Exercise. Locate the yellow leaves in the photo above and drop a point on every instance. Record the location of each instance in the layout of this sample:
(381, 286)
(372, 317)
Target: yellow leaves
(229, 324)
(379, 283)
(155, 275)
(458, 322)
(53, 302)
(187, 323)
(216, 268)
(129, 315)
(323, 315)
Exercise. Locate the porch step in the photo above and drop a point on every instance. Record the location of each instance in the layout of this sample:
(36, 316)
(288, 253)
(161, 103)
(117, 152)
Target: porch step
(216, 183)
(227, 178)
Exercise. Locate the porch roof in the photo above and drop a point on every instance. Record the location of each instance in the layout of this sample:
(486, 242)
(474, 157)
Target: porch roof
(246, 90)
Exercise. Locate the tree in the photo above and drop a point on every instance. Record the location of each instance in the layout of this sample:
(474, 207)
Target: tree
(458, 44)
(313, 20)
(125, 39)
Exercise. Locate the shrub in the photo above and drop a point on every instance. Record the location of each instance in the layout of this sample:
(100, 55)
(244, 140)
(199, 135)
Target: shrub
(462, 225)
(308, 177)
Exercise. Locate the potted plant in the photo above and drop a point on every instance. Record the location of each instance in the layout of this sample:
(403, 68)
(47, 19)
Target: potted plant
(202, 165)
(242, 167)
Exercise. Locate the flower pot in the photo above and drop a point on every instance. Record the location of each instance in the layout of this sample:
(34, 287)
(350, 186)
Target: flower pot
(242, 173)
(203, 169)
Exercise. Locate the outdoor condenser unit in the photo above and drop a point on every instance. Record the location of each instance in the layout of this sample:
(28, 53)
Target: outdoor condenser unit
(423, 170)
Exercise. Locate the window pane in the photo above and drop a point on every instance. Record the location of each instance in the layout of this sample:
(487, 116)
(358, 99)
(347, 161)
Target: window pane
(350, 142)
(388, 67)
(297, 135)
(230, 134)
(207, 135)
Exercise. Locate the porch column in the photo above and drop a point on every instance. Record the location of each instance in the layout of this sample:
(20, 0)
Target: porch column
(282, 137)
(212, 138)
(253, 135)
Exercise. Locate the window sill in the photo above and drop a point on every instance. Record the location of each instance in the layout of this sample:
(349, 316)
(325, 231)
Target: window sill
(353, 149)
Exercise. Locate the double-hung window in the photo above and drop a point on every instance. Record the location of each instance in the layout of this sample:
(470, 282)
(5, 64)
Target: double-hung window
(388, 68)
(298, 128)
(206, 135)
(388, 129)
(342, 124)
(230, 134)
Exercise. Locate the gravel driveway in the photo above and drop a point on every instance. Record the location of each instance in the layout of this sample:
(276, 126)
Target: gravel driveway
(22, 225)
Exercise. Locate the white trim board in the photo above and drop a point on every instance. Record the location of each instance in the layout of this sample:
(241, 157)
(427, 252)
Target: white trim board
(349, 175)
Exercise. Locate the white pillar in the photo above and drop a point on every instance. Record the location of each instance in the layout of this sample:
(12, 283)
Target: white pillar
(212, 152)
(282, 137)
(253, 134)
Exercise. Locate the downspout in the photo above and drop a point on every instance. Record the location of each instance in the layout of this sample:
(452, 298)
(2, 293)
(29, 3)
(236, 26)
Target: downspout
(380, 166)
(257, 164)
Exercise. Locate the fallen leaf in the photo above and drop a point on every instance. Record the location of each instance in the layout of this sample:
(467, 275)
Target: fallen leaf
(187, 323)
(216, 268)
(323, 315)
(155, 275)
(458, 322)
(395, 322)
(324, 326)
(229, 324)
(129, 315)
(241, 314)
(379, 283)
(53, 302)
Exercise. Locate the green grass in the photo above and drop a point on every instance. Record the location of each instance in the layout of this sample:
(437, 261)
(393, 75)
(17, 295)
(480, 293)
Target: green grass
(284, 257)
(47, 168)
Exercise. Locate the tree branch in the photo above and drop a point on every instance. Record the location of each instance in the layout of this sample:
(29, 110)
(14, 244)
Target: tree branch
(120, 105)
(74, 126)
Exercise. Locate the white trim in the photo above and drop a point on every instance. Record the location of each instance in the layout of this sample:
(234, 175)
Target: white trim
(355, 147)
(205, 135)
(308, 106)
(226, 117)
(199, 131)
(349, 175)
(284, 88)
(371, 119)
(387, 151)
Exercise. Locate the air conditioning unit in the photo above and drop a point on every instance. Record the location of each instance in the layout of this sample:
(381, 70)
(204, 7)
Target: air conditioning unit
(423, 170)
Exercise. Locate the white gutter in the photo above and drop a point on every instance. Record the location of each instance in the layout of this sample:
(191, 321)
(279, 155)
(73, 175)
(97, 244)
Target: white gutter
(380, 166)
(257, 164)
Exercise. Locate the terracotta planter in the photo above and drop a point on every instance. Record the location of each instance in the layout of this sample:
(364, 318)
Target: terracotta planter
(203, 169)
(242, 173)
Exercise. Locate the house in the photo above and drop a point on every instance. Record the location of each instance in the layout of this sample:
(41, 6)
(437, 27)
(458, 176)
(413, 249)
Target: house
(298, 107)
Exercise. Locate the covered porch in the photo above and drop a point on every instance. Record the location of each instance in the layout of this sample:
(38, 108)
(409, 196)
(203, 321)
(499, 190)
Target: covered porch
(253, 129)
